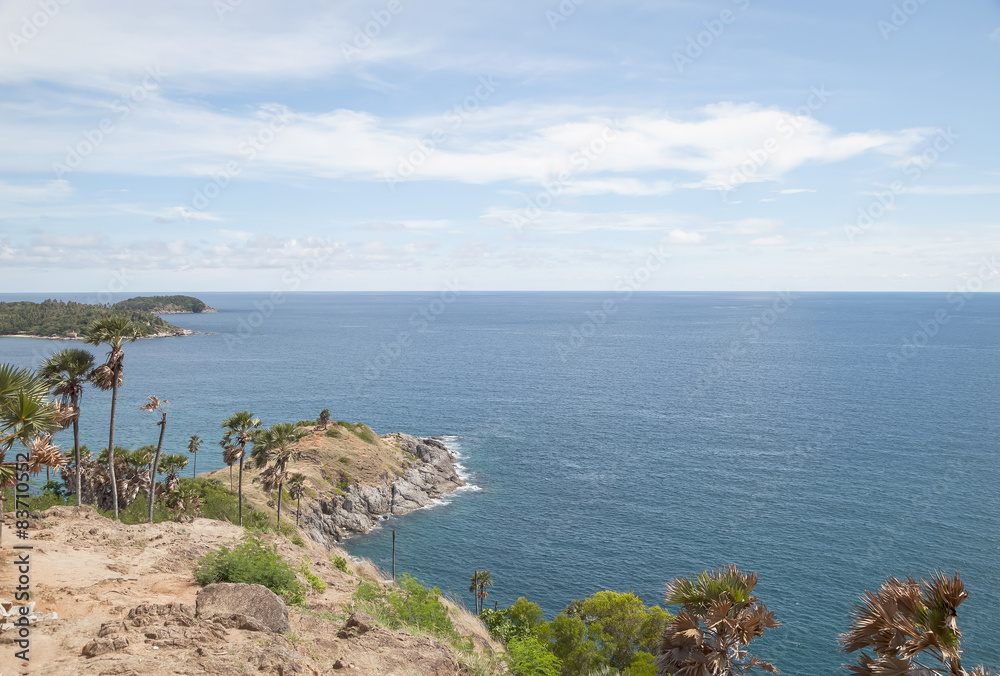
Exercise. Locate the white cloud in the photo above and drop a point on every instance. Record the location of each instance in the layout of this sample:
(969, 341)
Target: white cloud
(757, 226)
(794, 191)
(679, 236)
(25, 193)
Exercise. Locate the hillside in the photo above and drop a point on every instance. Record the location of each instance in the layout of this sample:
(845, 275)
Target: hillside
(61, 319)
(352, 478)
(164, 305)
(112, 587)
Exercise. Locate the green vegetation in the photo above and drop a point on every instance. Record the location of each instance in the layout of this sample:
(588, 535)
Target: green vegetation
(606, 630)
(317, 584)
(360, 430)
(412, 606)
(253, 561)
(56, 318)
(333, 432)
(340, 563)
(158, 305)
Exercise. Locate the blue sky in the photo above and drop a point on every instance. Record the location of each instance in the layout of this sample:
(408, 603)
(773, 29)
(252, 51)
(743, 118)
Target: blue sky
(405, 144)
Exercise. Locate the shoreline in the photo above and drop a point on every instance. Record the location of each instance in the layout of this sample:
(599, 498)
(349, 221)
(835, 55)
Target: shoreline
(173, 334)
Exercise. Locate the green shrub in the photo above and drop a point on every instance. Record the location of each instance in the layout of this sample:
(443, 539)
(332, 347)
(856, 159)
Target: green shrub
(317, 584)
(333, 432)
(528, 657)
(344, 459)
(340, 563)
(410, 605)
(344, 482)
(253, 561)
(49, 499)
(307, 423)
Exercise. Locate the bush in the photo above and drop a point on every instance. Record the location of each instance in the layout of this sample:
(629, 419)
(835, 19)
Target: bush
(340, 563)
(253, 561)
(317, 584)
(333, 432)
(410, 605)
(528, 657)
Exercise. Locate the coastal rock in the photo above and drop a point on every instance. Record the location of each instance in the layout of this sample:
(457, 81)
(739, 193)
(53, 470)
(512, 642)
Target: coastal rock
(432, 474)
(252, 600)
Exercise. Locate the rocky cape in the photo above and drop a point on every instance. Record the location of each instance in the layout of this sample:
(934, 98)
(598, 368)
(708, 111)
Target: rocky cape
(431, 474)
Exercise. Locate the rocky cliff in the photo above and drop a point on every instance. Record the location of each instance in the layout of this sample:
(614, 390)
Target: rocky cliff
(428, 473)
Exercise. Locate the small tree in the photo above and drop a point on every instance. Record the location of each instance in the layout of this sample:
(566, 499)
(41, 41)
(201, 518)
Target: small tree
(296, 489)
(480, 580)
(719, 618)
(156, 406)
(193, 443)
(324, 418)
(172, 464)
(910, 627)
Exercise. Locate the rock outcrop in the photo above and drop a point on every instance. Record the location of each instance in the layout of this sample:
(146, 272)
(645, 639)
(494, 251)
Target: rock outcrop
(430, 475)
(245, 606)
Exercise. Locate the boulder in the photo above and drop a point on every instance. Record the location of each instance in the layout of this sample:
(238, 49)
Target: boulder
(252, 600)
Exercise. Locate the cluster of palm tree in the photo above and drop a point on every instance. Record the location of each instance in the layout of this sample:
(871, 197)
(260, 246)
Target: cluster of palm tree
(480, 580)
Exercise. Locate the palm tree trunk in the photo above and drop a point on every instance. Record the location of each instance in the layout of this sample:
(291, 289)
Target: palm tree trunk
(241, 490)
(281, 489)
(156, 464)
(111, 439)
(298, 503)
(194, 471)
(230, 477)
(76, 450)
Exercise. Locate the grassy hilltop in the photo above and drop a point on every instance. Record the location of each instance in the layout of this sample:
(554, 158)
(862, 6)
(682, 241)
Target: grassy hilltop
(60, 319)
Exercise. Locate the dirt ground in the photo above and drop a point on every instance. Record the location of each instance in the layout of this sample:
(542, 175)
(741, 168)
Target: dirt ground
(94, 572)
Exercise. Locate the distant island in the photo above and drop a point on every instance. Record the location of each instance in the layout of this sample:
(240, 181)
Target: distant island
(164, 305)
(69, 320)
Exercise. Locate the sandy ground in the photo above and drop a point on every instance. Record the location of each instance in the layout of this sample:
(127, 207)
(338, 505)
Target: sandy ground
(93, 571)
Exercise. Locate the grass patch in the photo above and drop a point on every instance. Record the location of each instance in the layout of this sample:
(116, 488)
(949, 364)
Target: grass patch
(333, 432)
(360, 430)
(412, 606)
(253, 561)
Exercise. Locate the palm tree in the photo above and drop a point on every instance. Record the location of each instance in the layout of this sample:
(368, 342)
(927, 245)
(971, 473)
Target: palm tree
(324, 417)
(157, 406)
(172, 464)
(480, 580)
(241, 428)
(296, 489)
(113, 330)
(193, 443)
(906, 622)
(25, 413)
(719, 617)
(66, 372)
(272, 449)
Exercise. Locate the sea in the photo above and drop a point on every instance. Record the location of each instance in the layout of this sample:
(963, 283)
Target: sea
(825, 441)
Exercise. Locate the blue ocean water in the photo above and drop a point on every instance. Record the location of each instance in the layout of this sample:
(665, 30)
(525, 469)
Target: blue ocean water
(620, 442)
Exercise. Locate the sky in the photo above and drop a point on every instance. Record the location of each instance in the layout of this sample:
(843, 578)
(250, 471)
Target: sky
(251, 145)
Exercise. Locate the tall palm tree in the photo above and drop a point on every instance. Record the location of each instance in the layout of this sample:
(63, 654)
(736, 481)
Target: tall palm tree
(719, 618)
(478, 583)
(25, 413)
(157, 406)
(241, 428)
(193, 443)
(113, 330)
(273, 448)
(297, 489)
(66, 372)
(908, 625)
